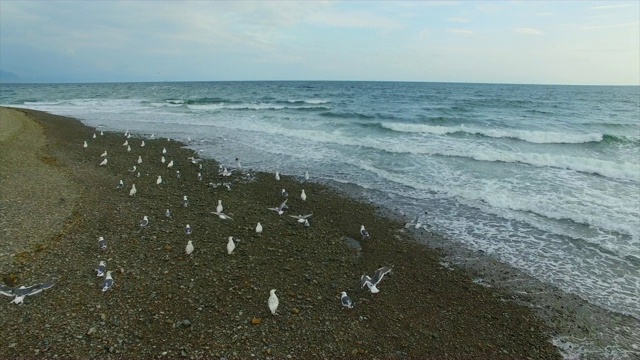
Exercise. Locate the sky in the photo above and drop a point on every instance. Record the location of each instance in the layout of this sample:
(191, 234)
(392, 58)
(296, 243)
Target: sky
(523, 42)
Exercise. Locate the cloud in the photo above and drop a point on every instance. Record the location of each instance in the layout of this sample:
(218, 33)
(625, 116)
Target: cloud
(528, 31)
(457, 20)
(610, 26)
(611, 6)
(458, 31)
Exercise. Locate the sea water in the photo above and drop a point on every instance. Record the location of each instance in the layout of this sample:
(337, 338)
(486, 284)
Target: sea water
(543, 178)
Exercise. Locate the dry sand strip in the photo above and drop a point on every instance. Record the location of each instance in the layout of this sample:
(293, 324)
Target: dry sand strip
(214, 305)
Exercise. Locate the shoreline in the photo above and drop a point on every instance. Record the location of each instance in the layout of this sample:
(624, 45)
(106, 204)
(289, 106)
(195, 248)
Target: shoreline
(337, 258)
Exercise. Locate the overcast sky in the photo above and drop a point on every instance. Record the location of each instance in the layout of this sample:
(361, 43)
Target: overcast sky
(568, 42)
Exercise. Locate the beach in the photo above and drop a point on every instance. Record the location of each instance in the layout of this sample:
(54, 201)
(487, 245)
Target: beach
(57, 201)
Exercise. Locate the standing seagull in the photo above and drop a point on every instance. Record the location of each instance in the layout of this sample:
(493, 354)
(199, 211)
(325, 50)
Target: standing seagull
(164, 151)
(273, 301)
(85, 145)
(94, 135)
(219, 208)
(371, 282)
(133, 190)
(102, 267)
(104, 154)
(185, 201)
(108, 282)
(23, 291)
(104, 162)
(230, 245)
(364, 232)
(303, 196)
(187, 229)
(128, 148)
(259, 228)
(126, 143)
(306, 175)
(170, 165)
(189, 248)
(139, 159)
(159, 180)
(162, 160)
(346, 301)
(284, 193)
(167, 213)
(102, 244)
(120, 184)
(144, 222)
(277, 175)
(142, 144)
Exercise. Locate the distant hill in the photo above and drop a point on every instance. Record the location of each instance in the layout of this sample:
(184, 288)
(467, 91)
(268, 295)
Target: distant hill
(9, 77)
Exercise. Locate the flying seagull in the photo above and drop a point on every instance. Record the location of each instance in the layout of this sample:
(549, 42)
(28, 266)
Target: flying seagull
(371, 282)
(280, 209)
(222, 215)
(102, 267)
(364, 232)
(346, 300)
(301, 218)
(273, 301)
(416, 222)
(23, 291)
(108, 282)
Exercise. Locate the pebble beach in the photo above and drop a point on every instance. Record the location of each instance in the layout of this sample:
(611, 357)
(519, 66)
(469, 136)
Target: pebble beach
(57, 201)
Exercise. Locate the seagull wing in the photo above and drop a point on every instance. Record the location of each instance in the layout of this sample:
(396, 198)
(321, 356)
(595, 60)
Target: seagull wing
(364, 279)
(379, 274)
(6, 291)
(283, 205)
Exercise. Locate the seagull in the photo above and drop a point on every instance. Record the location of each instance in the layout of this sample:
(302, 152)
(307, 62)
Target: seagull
(306, 175)
(139, 159)
(219, 208)
(364, 232)
(120, 185)
(238, 166)
(159, 180)
(222, 215)
(167, 213)
(259, 228)
(102, 244)
(277, 175)
(104, 154)
(126, 143)
(377, 277)
(301, 218)
(152, 136)
(164, 151)
(133, 190)
(280, 209)
(162, 160)
(138, 174)
(145, 221)
(189, 248)
(101, 133)
(230, 245)
(108, 282)
(23, 291)
(104, 162)
(199, 177)
(346, 300)
(94, 135)
(273, 301)
(185, 201)
(303, 196)
(85, 145)
(142, 144)
(284, 193)
(187, 229)
(102, 267)
(416, 222)
(133, 169)
(178, 174)
(170, 165)
(226, 172)
(128, 148)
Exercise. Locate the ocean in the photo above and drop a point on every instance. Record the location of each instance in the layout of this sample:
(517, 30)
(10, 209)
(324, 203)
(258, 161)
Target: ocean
(543, 178)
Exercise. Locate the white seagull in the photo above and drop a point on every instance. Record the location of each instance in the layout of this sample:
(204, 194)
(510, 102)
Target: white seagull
(144, 222)
(230, 245)
(371, 282)
(189, 248)
(139, 159)
(159, 180)
(170, 165)
(142, 144)
(167, 213)
(303, 196)
(23, 291)
(94, 135)
(102, 267)
(364, 232)
(85, 145)
(104, 162)
(284, 193)
(273, 301)
(277, 175)
(222, 215)
(128, 148)
(126, 143)
(219, 208)
(185, 201)
(101, 133)
(199, 177)
(102, 244)
(416, 222)
(346, 300)
(108, 282)
(306, 175)
(162, 160)
(301, 218)
(104, 154)
(133, 169)
(259, 228)
(280, 209)
(133, 190)
(164, 151)
(120, 184)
